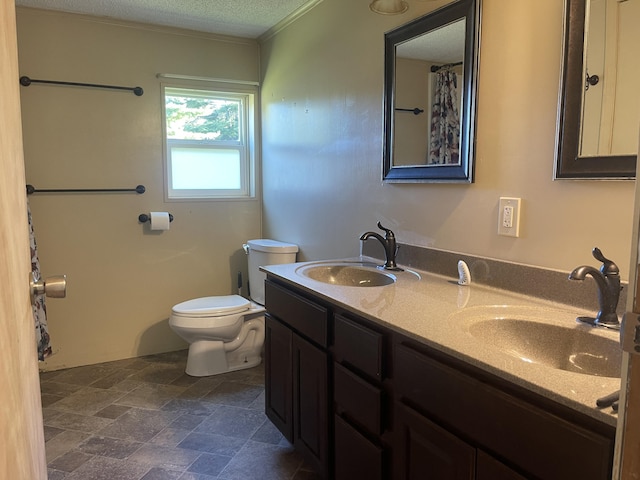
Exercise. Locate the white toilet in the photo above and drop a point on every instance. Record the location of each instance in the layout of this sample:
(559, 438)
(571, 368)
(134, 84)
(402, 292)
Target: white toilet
(226, 333)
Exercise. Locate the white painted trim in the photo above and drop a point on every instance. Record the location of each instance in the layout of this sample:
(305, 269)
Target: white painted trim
(288, 20)
(175, 76)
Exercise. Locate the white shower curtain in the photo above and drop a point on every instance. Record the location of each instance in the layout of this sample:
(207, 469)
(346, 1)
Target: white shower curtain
(39, 307)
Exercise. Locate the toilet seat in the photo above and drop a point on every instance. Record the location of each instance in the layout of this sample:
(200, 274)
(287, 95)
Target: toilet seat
(217, 306)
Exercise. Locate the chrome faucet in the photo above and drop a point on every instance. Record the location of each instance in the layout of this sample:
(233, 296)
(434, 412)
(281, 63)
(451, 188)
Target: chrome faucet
(389, 244)
(608, 283)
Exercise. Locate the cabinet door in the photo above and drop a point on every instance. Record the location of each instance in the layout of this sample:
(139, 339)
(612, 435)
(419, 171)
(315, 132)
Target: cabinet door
(529, 435)
(425, 451)
(278, 373)
(488, 468)
(355, 456)
(310, 403)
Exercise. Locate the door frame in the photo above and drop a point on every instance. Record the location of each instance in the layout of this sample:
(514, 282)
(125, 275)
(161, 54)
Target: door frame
(22, 451)
(626, 463)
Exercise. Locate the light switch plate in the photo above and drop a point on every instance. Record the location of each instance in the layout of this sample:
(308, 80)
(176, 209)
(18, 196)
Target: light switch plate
(509, 216)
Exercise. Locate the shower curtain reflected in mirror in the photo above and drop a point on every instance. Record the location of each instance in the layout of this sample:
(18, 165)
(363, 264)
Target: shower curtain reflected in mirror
(39, 307)
(444, 143)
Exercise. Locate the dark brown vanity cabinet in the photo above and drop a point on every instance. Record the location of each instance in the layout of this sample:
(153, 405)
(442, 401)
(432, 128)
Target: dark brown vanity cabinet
(361, 401)
(297, 373)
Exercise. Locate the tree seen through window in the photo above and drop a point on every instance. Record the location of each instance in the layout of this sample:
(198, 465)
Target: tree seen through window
(190, 118)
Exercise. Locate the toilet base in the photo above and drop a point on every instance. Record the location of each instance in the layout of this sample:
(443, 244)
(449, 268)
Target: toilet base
(208, 358)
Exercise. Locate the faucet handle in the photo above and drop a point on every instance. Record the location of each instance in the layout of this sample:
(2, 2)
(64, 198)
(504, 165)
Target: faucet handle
(608, 267)
(388, 232)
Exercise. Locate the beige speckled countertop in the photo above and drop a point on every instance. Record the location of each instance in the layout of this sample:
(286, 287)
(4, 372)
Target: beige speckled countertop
(436, 311)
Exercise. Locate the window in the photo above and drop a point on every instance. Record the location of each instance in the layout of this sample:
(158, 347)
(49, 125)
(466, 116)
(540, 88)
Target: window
(209, 143)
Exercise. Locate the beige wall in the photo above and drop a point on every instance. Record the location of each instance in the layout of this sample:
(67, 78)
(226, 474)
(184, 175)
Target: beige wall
(122, 279)
(411, 132)
(322, 145)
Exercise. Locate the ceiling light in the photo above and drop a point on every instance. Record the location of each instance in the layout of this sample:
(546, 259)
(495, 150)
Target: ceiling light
(389, 7)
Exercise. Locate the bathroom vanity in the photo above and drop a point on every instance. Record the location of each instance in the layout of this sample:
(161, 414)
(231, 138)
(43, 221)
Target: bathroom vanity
(391, 382)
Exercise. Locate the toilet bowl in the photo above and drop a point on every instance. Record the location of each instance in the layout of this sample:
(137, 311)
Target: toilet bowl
(226, 333)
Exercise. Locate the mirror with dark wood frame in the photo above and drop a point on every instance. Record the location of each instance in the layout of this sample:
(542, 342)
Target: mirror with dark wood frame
(432, 139)
(601, 142)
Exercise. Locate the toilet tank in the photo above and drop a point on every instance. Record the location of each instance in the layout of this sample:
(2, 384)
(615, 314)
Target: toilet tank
(264, 252)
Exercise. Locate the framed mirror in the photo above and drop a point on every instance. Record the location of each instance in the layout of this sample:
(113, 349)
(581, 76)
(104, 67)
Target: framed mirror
(599, 102)
(430, 88)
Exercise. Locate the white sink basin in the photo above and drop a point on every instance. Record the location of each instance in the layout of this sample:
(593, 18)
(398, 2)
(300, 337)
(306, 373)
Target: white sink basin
(533, 336)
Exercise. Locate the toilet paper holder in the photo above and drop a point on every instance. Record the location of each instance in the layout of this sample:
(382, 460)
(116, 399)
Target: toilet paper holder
(145, 217)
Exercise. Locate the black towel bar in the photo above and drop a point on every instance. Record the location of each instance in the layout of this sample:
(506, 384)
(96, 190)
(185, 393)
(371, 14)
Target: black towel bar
(139, 189)
(416, 111)
(26, 81)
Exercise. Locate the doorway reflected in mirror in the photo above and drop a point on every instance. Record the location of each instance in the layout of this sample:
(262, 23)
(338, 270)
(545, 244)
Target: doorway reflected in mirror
(598, 106)
(611, 98)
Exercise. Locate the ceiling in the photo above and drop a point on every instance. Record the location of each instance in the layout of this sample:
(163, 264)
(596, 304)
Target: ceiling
(242, 18)
(443, 45)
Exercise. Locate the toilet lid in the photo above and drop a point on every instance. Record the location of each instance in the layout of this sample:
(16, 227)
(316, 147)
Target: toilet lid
(212, 306)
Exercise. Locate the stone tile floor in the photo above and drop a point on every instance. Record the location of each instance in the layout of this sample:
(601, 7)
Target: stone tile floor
(145, 419)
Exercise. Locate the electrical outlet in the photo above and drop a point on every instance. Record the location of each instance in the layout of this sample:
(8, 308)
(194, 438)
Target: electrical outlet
(509, 217)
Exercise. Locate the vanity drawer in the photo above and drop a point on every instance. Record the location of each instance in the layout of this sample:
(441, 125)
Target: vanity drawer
(551, 448)
(355, 456)
(358, 346)
(306, 317)
(357, 400)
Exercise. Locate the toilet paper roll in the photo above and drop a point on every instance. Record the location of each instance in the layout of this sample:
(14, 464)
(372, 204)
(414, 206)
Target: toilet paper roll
(160, 220)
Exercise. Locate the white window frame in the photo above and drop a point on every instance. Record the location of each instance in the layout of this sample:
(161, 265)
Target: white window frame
(246, 145)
